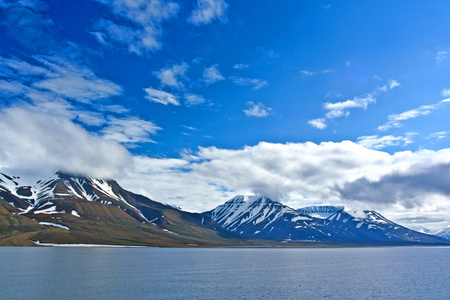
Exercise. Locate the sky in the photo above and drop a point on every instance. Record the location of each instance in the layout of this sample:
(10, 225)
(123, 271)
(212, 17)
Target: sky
(193, 102)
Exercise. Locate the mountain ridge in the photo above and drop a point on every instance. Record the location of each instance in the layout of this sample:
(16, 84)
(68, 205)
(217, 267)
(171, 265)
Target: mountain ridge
(269, 219)
(68, 208)
(72, 209)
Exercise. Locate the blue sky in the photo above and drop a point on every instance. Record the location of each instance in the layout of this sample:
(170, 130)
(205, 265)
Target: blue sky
(191, 102)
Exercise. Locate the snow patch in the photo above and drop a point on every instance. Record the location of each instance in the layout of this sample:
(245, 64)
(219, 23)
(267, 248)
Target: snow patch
(54, 224)
(168, 231)
(49, 211)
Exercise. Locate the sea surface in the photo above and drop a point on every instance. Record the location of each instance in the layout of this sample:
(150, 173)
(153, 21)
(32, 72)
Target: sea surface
(224, 273)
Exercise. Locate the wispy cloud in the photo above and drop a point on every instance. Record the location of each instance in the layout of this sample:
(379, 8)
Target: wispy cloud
(75, 82)
(129, 131)
(240, 66)
(70, 94)
(193, 99)
(342, 109)
(307, 73)
(173, 76)
(439, 135)
(137, 24)
(57, 76)
(441, 55)
(256, 83)
(190, 127)
(160, 96)
(397, 120)
(91, 118)
(380, 142)
(212, 75)
(208, 10)
(257, 110)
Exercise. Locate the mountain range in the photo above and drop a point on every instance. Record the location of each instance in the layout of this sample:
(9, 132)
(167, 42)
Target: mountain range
(264, 218)
(73, 209)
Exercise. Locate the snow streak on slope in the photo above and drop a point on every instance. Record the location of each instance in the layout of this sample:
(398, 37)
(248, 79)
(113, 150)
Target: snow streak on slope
(249, 209)
(262, 217)
(64, 186)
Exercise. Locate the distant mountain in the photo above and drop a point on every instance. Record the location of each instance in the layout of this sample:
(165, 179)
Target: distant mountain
(72, 209)
(264, 218)
(66, 208)
(444, 232)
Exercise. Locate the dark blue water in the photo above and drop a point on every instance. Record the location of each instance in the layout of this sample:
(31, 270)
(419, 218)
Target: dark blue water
(156, 273)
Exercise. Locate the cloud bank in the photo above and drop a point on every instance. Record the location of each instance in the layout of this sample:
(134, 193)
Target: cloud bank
(300, 174)
(46, 143)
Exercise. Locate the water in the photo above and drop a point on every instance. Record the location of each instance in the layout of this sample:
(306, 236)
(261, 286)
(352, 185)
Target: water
(218, 273)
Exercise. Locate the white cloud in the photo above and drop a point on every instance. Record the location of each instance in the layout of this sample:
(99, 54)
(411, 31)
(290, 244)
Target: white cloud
(393, 84)
(307, 73)
(52, 82)
(256, 83)
(326, 172)
(193, 99)
(129, 131)
(439, 135)
(446, 92)
(162, 97)
(396, 120)
(169, 181)
(173, 76)
(342, 109)
(115, 108)
(137, 24)
(208, 10)
(48, 142)
(212, 74)
(441, 55)
(240, 66)
(380, 142)
(257, 110)
(190, 127)
(319, 123)
(300, 174)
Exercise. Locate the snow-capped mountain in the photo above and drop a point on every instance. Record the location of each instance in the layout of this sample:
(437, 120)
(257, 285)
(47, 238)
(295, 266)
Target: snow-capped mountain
(258, 217)
(262, 217)
(85, 207)
(444, 232)
(53, 195)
